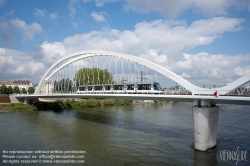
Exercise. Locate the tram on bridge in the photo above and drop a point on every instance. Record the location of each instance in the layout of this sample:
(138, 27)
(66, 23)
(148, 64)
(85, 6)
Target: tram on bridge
(128, 88)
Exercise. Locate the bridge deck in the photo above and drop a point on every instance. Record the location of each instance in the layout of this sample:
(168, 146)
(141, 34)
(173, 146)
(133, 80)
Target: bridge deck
(179, 98)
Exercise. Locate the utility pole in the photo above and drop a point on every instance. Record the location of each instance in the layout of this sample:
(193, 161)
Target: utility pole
(141, 77)
(122, 81)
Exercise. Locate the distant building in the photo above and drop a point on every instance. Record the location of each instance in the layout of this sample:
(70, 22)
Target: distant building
(47, 88)
(22, 84)
(35, 86)
(6, 83)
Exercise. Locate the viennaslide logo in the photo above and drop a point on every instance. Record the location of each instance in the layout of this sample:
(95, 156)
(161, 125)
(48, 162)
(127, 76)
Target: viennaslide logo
(236, 155)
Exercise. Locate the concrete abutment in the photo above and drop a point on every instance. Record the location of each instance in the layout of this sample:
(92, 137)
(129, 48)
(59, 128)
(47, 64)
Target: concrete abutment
(205, 125)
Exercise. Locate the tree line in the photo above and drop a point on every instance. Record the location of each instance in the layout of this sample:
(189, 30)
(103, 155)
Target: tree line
(93, 76)
(16, 90)
(84, 76)
(64, 85)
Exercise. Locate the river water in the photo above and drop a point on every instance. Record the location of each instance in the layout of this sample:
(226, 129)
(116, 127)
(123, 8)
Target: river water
(139, 134)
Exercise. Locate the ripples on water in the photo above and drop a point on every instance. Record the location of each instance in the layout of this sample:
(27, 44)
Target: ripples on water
(142, 134)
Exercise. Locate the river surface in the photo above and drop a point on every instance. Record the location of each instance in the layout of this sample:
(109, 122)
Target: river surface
(139, 134)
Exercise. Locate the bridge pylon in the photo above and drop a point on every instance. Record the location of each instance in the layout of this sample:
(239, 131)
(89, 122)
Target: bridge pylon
(206, 116)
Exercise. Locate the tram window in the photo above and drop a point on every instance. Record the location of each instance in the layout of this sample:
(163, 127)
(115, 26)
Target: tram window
(148, 87)
(97, 88)
(118, 87)
(144, 87)
(82, 88)
(130, 87)
(107, 87)
(89, 88)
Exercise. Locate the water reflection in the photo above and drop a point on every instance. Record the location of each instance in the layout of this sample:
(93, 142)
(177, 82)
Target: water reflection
(205, 158)
(147, 134)
(132, 124)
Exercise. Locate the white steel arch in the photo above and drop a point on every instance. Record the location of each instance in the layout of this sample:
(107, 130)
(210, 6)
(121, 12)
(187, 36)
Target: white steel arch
(181, 81)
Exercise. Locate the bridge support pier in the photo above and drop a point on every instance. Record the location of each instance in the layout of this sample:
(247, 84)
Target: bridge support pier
(30, 100)
(26, 100)
(205, 125)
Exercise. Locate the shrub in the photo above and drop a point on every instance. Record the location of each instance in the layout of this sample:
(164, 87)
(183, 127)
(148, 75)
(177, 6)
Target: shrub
(98, 103)
(128, 101)
(111, 102)
(116, 102)
(58, 105)
(106, 102)
(76, 104)
(82, 103)
(67, 104)
(91, 102)
(18, 107)
(120, 102)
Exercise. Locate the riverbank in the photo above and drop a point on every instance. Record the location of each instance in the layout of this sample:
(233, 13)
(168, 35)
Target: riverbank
(69, 104)
(16, 107)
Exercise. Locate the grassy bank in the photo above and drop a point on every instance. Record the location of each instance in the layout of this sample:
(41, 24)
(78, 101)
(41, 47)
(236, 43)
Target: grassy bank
(17, 107)
(67, 104)
(59, 104)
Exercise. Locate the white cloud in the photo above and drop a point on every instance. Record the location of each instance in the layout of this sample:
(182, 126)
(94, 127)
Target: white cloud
(5, 32)
(169, 38)
(40, 12)
(75, 4)
(26, 31)
(174, 8)
(212, 67)
(2, 51)
(74, 24)
(9, 13)
(154, 56)
(165, 7)
(52, 52)
(101, 3)
(98, 16)
(71, 6)
(54, 15)
(18, 65)
(241, 71)
(162, 42)
(2, 2)
(184, 75)
(44, 13)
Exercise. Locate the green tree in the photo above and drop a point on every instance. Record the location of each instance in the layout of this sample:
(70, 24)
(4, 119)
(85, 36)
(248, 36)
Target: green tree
(10, 89)
(64, 85)
(4, 89)
(88, 76)
(31, 90)
(16, 90)
(24, 91)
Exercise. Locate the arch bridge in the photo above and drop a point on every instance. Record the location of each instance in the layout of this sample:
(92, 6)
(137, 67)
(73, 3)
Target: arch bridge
(69, 65)
(71, 76)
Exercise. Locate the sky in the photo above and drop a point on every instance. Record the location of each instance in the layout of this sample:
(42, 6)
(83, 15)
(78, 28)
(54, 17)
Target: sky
(205, 42)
